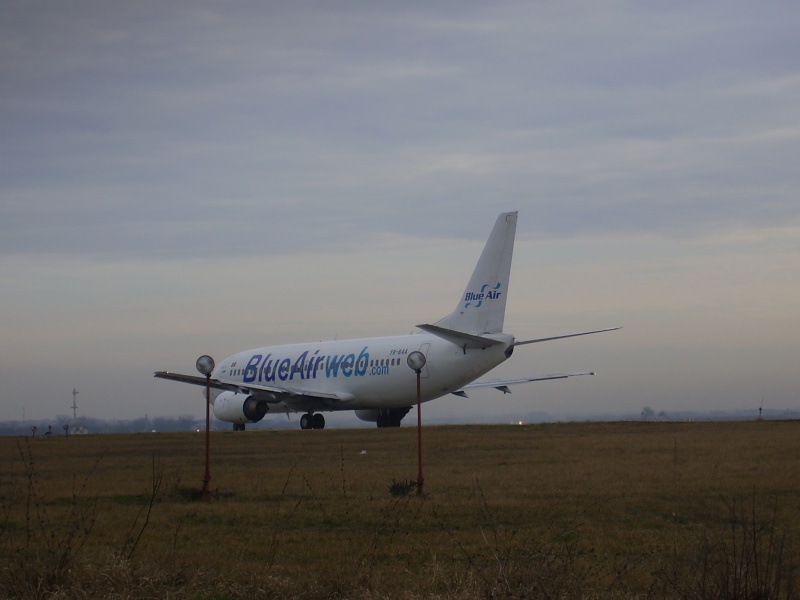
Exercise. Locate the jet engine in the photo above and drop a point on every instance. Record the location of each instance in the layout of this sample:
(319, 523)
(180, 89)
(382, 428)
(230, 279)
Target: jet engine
(238, 408)
(383, 417)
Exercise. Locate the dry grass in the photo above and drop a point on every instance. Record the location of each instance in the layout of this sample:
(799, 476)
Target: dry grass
(596, 510)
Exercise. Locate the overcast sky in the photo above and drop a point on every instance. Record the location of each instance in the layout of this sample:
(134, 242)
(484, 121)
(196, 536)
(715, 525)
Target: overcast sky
(200, 177)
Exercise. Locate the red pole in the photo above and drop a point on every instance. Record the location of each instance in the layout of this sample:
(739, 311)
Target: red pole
(206, 494)
(420, 479)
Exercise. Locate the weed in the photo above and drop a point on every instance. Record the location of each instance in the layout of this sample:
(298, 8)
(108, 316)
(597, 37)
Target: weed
(133, 537)
(402, 488)
(745, 558)
(50, 556)
(53, 536)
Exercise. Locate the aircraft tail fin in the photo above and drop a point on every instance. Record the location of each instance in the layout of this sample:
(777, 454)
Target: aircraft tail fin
(482, 307)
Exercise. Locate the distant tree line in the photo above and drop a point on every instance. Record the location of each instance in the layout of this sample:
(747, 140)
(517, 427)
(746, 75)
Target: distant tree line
(63, 425)
(649, 414)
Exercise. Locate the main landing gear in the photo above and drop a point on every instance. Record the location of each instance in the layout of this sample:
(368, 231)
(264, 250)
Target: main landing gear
(391, 417)
(312, 421)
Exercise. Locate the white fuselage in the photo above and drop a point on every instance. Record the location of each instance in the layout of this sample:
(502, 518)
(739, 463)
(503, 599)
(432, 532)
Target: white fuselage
(362, 373)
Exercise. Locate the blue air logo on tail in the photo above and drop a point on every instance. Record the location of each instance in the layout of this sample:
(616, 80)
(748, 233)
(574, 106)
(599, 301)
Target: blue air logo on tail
(476, 299)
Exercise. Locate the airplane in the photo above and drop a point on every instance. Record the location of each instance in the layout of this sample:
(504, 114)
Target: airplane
(375, 377)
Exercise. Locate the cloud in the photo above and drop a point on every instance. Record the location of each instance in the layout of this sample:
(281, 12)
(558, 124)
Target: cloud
(209, 119)
(263, 141)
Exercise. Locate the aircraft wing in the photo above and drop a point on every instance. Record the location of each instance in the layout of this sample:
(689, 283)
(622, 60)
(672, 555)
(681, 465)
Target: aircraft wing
(502, 384)
(268, 392)
(215, 384)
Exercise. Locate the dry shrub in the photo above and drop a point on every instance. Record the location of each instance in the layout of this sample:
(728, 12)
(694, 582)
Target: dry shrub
(744, 558)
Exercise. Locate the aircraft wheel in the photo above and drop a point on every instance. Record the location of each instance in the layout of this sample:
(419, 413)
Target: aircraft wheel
(305, 421)
(389, 419)
(318, 421)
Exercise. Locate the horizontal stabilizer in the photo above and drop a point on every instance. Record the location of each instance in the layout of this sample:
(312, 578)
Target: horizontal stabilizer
(459, 338)
(561, 337)
(501, 384)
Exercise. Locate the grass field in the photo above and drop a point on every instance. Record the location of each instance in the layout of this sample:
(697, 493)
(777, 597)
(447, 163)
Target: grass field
(580, 510)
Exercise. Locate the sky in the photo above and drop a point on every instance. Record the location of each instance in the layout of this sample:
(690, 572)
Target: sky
(191, 178)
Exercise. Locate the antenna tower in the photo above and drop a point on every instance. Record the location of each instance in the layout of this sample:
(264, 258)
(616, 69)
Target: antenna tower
(75, 405)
